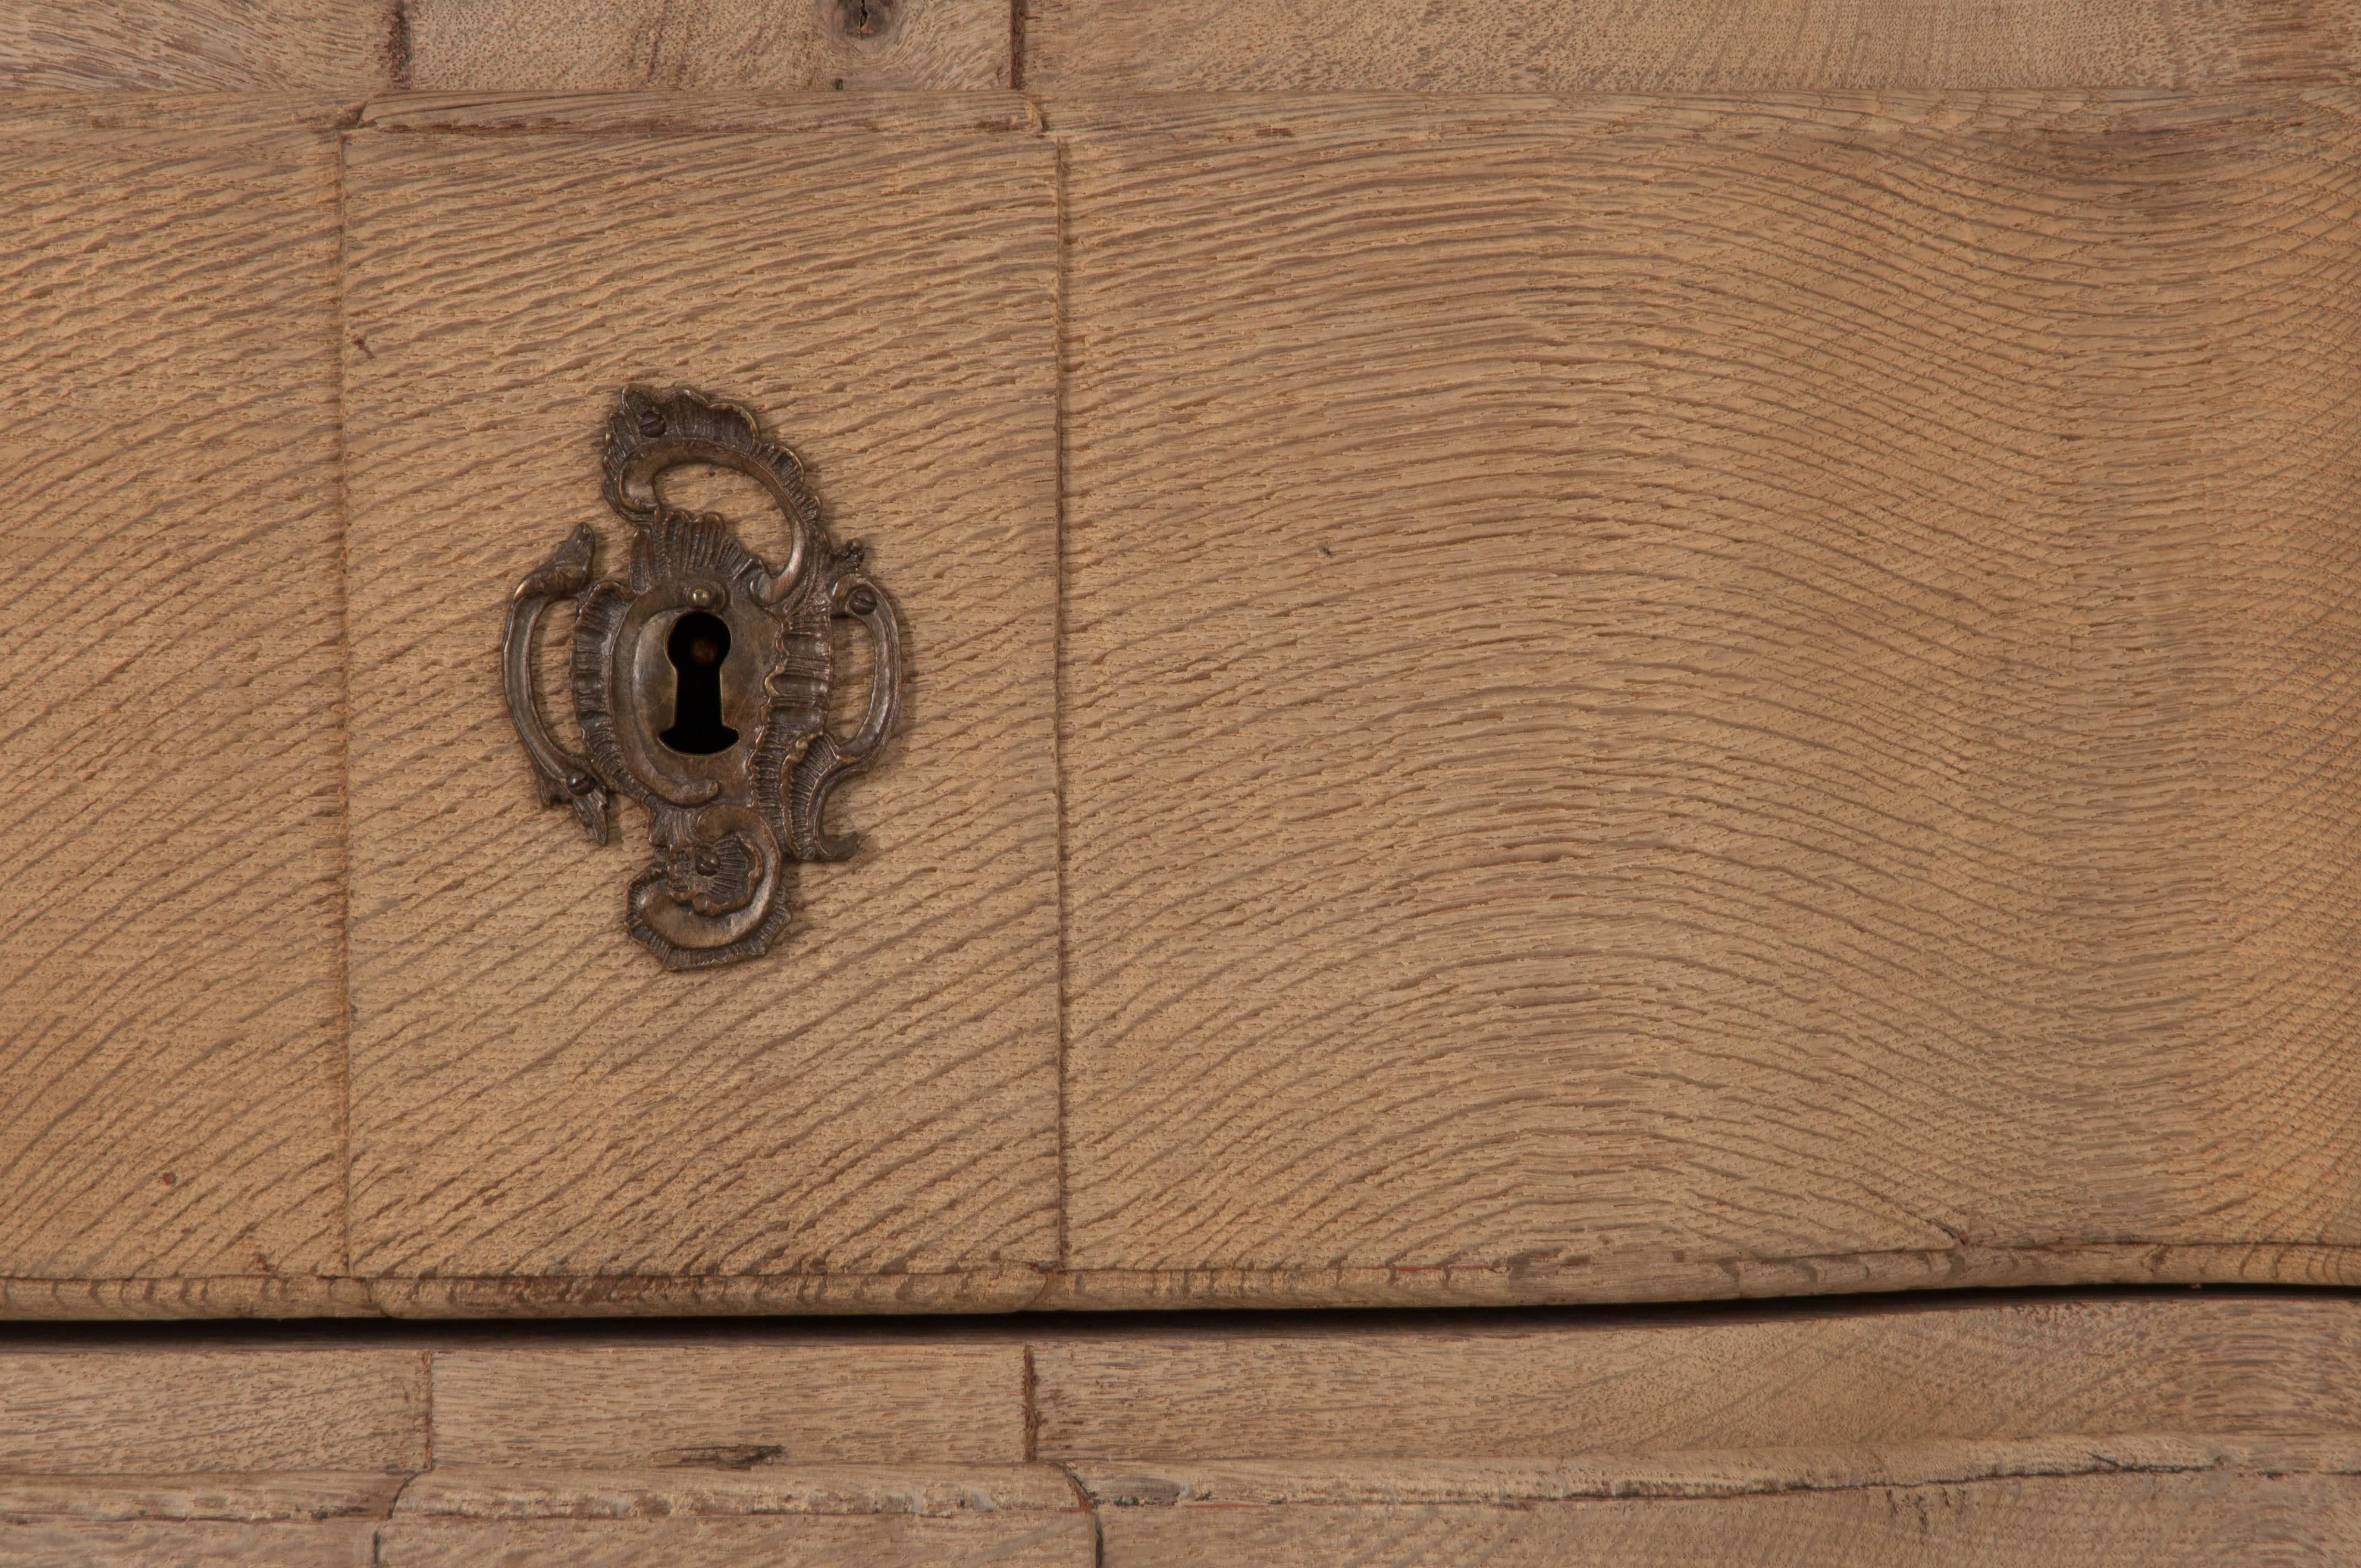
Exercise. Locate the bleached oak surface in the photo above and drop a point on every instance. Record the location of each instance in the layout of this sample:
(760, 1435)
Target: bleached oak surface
(170, 751)
(361, 47)
(858, 1402)
(655, 111)
(1029, 1541)
(1661, 699)
(163, 1410)
(2170, 1424)
(935, 1488)
(2095, 1521)
(1681, 46)
(1778, 1379)
(531, 1095)
(223, 1498)
(337, 45)
(616, 46)
(57, 1544)
(1660, 685)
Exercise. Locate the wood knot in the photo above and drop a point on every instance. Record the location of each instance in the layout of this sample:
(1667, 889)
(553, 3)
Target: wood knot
(865, 18)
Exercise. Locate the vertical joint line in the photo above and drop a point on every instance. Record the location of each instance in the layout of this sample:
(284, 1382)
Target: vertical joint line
(1060, 706)
(343, 624)
(427, 1356)
(1032, 1410)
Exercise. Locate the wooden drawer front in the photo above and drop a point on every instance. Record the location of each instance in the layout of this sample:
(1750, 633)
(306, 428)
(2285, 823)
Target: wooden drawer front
(1727, 683)
(2163, 1430)
(170, 1050)
(529, 1093)
(1507, 700)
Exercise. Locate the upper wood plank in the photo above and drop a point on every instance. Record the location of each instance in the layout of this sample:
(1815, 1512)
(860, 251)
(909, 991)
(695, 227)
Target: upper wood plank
(577, 47)
(170, 943)
(1681, 46)
(532, 1093)
(1703, 682)
(245, 46)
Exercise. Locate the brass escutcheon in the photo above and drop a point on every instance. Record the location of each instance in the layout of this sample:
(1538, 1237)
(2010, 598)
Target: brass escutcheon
(701, 682)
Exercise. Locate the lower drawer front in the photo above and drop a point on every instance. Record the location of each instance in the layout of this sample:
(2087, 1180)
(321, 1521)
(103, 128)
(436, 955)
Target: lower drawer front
(1528, 699)
(2157, 1430)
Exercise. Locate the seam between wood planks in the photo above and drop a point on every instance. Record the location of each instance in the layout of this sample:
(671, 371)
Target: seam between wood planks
(1012, 1288)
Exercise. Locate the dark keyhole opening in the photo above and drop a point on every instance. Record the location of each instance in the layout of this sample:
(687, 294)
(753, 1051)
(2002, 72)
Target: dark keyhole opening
(698, 645)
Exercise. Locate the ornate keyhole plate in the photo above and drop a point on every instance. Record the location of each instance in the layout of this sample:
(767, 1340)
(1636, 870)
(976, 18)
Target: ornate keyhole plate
(701, 682)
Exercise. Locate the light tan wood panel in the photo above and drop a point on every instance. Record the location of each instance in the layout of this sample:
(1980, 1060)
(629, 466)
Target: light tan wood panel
(1689, 1473)
(172, 1297)
(1660, 687)
(160, 1411)
(597, 45)
(2188, 1365)
(933, 1490)
(1021, 1542)
(531, 1093)
(1681, 46)
(655, 111)
(2138, 1521)
(263, 1498)
(875, 1403)
(44, 1544)
(169, 947)
(186, 112)
(2287, 762)
(336, 46)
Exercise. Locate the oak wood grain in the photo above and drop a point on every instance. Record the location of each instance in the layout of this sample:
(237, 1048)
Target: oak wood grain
(2133, 1521)
(1727, 683)
(170, 1060)
(575, 47)
(1682, 46)
(1004, 1288)
(2179, 1365)
(1017, 1541)
(532, 1094)
(1009, 1287)
(249, 46)
(182, 111)
(170, 1298)
(654, 113)
(866, 1402)
(1959, 1430)
(63, 1543)
(1666, 698)
(1690, 1474)
(935, 1490)
(269, 1497)
(164, 1411)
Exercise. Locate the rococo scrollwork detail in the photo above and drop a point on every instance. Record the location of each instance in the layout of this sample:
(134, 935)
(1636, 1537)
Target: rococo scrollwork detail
(701, 682)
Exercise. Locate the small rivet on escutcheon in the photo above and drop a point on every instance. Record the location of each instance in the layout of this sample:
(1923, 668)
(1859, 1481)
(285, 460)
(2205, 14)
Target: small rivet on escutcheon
(703, 598)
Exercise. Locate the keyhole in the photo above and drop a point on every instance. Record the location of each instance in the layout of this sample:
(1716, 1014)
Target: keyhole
(698, 645)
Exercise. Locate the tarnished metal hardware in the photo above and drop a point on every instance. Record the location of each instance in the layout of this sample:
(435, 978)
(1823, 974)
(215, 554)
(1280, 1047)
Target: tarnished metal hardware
(701, 682)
